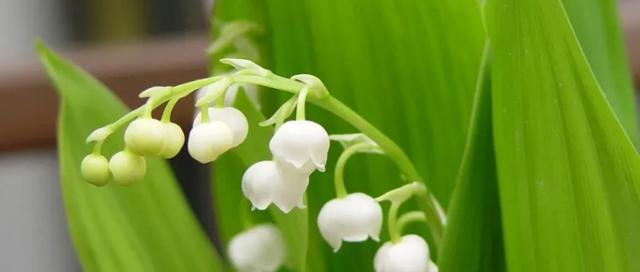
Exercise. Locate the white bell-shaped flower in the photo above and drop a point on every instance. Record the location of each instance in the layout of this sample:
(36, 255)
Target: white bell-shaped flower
(259, 183)
(433, 267)
(410, 254)
(145, 136)
(265, 182)
(233, 118)
(260, 248)
(173, 140)
(302, 144)
(209, 140)
(290, 190)
(353, 218)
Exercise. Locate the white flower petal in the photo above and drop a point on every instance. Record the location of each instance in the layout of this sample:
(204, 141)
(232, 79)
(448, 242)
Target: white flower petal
(410, 254)
(259, 183)
(433, 267)
(290, 190)
(353, 218)
(303, 144)
(208, 141)
(260, 248)
(233, 118)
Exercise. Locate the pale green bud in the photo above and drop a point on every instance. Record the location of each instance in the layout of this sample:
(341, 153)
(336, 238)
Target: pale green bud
(95, 169)
(173, 140)
(127, 167)
(145, 136)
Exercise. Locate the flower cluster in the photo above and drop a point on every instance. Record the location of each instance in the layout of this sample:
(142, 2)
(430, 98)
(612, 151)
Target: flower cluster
(298, 147)
(223, 129)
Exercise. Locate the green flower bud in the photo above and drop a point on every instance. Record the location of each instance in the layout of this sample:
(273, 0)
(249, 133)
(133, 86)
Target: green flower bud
(127, 167)
(145, 136)
(95, 169)
(173, 140)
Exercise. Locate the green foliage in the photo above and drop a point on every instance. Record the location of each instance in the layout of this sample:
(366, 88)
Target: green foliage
(537, 166)
(144, 227)
(473, 240)
(568, 174)
(408, 67)
(595, 23)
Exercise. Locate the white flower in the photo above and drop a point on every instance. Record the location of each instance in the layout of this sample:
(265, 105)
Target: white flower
(265, 182)
(208, 141)
(127, 167)
(145, 136)
(173, 140)
(410, 254)
(95, 169)
(233, 118)
(260, 248)
(353, 218)
(302, 144)
(433, 267)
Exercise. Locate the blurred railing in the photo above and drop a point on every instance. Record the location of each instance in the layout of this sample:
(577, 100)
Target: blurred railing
(29, 104)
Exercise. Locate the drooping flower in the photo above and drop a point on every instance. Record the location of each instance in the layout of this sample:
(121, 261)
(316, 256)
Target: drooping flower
(302, 144)
(353, 218)
(260, 248)
(233, 118)
(145, 136)
(410, 254)
(433, 267)
(266, 182)
(95, 169)
(173, 140)
(209, 140)
(127, 167)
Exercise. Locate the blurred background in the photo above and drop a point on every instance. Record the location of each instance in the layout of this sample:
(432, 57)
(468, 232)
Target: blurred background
(130, 45)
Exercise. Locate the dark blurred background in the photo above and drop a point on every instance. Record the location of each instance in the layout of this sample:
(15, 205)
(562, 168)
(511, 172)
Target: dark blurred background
(130, 45)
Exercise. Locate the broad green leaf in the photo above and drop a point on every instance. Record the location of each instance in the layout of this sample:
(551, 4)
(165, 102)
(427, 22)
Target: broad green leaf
(473, 239)
(144, 227)
(407, 66)
(569, 176)
(227, 189)
(596, 25)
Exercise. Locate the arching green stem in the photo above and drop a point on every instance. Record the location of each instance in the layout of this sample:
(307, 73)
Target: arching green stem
(397, 197)
(97, 148)
(392, 223)
(166, 114)
(302, 100)
(341, 190)
(414, 216)
(204, 114)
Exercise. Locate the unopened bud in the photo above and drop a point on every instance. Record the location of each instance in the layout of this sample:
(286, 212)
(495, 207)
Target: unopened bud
(95, 169)
(127, 167)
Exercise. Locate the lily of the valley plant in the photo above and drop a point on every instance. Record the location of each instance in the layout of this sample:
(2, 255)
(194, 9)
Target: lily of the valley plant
(299, 147)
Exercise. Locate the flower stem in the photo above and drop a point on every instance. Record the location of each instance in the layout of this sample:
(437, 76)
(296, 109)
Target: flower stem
(341, 190)
(166, 114)
(300, 108)
(392, 223)
(409, 217)
(427, 201)
(204, 114)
